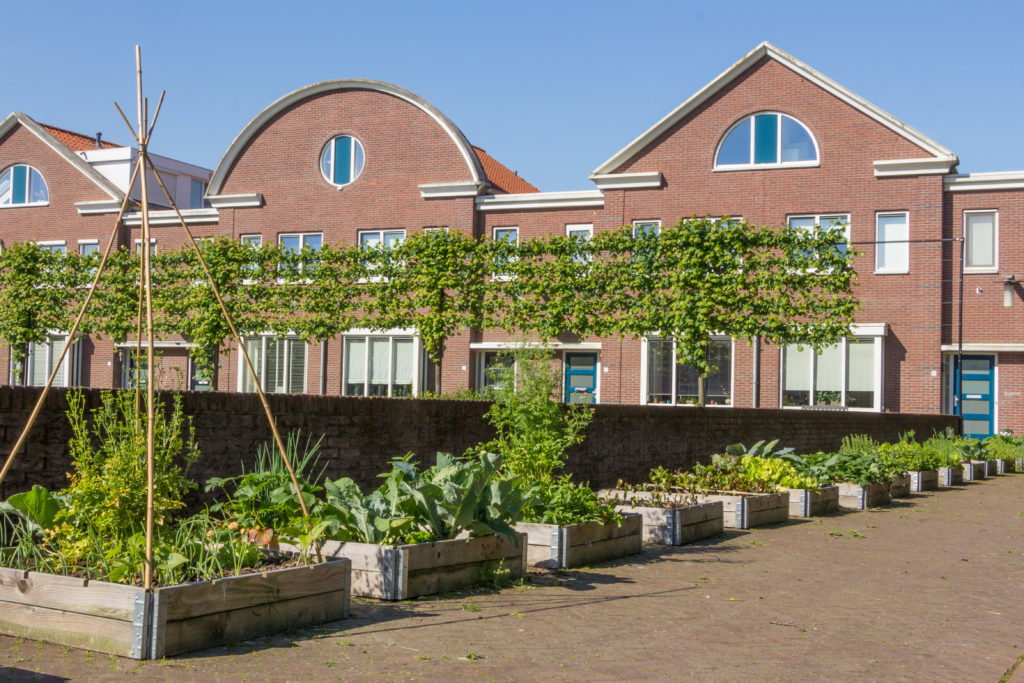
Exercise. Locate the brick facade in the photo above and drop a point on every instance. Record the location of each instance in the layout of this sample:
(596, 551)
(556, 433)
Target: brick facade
(408, 144)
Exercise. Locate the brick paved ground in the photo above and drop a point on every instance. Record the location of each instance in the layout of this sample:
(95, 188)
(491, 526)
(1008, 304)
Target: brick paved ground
(929, 589)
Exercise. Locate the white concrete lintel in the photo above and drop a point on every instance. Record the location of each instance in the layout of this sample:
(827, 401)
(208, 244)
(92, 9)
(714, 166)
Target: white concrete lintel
(628, 181)
(466, 188)
(976, 347)
(191, 216)
(98, 207)
(889, 168)
(248, 200)
(982, 182)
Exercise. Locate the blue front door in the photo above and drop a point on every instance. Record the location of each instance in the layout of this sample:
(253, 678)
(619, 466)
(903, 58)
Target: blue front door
(581, 378)
(977, 396)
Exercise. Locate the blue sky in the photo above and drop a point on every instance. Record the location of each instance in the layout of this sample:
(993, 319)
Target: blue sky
(551, 89)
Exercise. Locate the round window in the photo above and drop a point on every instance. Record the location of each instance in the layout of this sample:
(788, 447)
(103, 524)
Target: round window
(342, 159)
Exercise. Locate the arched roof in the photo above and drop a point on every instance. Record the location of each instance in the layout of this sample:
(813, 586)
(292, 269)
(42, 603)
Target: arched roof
(316, 89)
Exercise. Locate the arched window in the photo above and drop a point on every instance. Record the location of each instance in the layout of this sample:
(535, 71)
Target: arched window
(767, 139)
(342, 159)
(21, 184)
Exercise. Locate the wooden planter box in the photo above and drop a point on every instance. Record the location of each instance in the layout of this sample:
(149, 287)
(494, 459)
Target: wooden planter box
(857, 497)
(1018, 465)
(899, 487)
(577, 545)
(811, 503)
(131, 622)
(749, 510)
(951, 476)
(995, 467)
(974, 470)
(402, 572)
(924, 480)
(677, 525)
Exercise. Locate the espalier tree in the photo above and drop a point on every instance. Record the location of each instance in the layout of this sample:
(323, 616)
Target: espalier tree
(697, 278)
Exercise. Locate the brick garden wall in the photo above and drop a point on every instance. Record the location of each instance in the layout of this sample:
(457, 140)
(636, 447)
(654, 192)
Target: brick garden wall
(361, 435)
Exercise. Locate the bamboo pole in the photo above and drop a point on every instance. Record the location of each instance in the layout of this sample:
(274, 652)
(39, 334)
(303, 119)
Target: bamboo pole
(241, 345)
(147, 577)
(125, 201)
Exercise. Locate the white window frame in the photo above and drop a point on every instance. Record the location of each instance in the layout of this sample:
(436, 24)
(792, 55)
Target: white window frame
(656, 224)
(878, 243)
(481, 372)
(152, 245)
(845, 217)
(289, 339)
(71, 361)
(87, 243)
(381, 233)
(303, 236)
(675, 369)
(494, 237)
(48, 245)
(582, 230)
(354, 172)
(994, 268)
(255, 239)
(391, 336)
(875, 334)
(22, 205)
(435, 228)
(750, 165)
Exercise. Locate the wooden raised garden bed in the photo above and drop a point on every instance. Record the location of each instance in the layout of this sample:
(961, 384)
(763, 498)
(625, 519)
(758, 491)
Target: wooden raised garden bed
(812, 503)
(131, 622)
(402, 572)
(974, 470)
(900, 487)
(951, 476)
(1018, 465)
(924, 480)
(857, 497)
(577, 545)
(995, 467)
(749, 510)
(677, 525)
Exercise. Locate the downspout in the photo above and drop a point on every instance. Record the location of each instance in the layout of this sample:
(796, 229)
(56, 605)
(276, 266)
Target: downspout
(756, 383)
(323, 367)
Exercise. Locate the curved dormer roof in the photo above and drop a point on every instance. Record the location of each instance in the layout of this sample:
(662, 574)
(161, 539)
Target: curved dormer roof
(220, 174)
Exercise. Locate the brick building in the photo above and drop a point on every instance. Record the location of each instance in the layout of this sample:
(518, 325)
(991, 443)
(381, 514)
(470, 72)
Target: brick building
(770, 140)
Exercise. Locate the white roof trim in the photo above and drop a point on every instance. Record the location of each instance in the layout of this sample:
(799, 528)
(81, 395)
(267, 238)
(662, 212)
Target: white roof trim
(628, 181)
(248, 200)
(465, 188)
(191, 216)
(541, 200)
(978, 182)
(101, 206)
(768, 50)
(981, 346)
(15, 118)
(265, 116)
(889, 168)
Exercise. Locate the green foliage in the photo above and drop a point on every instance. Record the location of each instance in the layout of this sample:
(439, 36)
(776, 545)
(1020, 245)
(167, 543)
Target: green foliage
(761, 449)
(954, 449)
(560, 501)
(107, 493)
(1003, 447)
(819, 467)
(454, 496)
(534, 430)
(776, 472)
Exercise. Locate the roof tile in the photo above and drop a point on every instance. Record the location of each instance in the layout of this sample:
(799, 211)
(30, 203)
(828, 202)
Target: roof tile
(76, 142)
(500, 176)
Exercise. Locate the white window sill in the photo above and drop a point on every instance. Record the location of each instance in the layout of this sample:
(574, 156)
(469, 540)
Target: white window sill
(892, 272)
(767, 167)
(990, 270)
(28, 205)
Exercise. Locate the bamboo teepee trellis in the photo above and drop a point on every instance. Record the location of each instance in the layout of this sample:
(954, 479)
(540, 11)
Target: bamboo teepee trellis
(142, 137)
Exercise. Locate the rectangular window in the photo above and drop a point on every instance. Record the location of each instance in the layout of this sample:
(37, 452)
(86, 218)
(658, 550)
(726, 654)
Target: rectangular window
(673, 383)
(377, 238)
(300, 240)
(981, 232)
(252, 240)
(830, 220)
(652, 227)
(86, 247)
(581, 232)
(846, 375)
(53, 247)
(197, 195)
(379, 366)
(280, 363)
(510, 235)
(892, 253)
(152, 246)
(42, 357)
(492, 369)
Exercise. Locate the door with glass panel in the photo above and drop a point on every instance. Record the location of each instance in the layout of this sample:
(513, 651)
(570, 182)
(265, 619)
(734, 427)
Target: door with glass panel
(581, 378)
(977, 395)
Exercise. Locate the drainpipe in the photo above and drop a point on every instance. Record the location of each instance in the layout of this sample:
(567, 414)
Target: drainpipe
(323, 367)
(757, 372)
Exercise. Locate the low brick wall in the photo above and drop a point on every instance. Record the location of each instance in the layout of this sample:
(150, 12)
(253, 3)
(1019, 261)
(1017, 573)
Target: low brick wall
(362, 434)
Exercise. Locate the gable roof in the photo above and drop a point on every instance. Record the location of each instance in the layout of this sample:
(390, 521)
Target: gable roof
(766, 49)
(76, 142)
(61, 148)
(500, 176)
